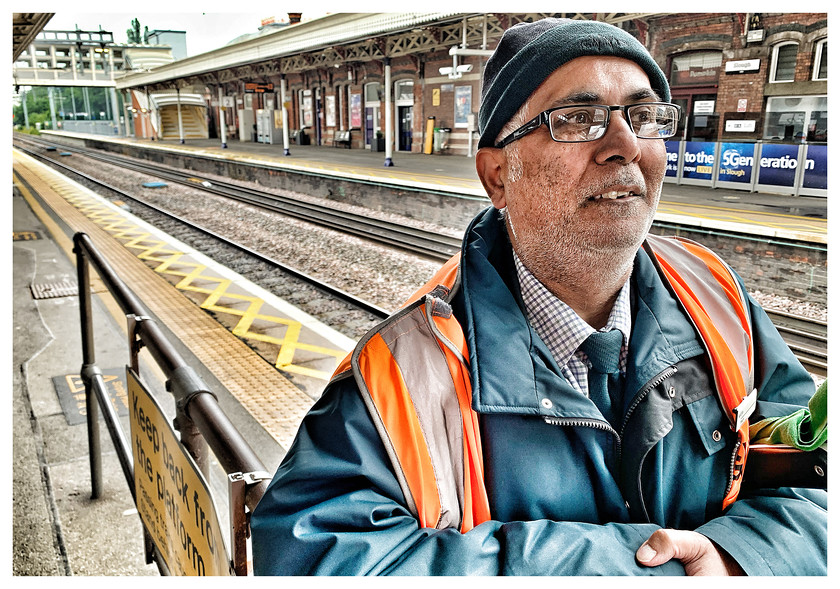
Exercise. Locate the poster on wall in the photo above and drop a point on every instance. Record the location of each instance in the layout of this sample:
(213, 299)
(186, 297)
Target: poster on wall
(736, 162)
(463, 105)
(307, 108)
(356, 111)
(330, 106)
(816, 167)
(672, 150)
(777, 166)
(698, 160)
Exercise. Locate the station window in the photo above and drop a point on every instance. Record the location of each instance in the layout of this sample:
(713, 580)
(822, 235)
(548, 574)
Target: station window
(698, 67)
(783, 65)
(797, 118)
(372, 92)
(405, 91)
(821, 60)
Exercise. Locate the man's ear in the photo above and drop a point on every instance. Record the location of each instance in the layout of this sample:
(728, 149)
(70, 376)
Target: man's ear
(488, 165)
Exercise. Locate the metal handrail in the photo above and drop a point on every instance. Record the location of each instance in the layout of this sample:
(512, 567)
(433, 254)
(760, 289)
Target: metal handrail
(199, 419)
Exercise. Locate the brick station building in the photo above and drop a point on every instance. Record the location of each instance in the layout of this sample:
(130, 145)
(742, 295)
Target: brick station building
(746, 77)
(737, 76)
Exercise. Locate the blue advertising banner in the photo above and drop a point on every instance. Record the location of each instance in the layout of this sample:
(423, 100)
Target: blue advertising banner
(698, 160)
(672, 149)
(777, 166)
(736, 162)
(816, 167)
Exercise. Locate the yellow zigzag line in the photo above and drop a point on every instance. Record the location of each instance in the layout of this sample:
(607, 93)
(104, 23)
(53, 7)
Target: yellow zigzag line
(152, 249)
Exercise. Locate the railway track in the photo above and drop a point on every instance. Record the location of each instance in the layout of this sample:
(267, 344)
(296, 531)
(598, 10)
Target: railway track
(411, 239)
(375, 312)
(806, 337)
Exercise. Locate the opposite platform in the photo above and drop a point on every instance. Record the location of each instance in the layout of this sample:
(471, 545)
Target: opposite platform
(769, 215)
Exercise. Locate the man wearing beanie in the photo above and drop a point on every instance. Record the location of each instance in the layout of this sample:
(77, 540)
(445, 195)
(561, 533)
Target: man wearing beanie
(548, 403)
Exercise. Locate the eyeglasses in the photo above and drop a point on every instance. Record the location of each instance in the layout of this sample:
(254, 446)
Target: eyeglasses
(588, 122)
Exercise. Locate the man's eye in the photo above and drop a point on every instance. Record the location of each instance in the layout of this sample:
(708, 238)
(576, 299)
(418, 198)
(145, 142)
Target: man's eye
(578, 117)
(644, 115)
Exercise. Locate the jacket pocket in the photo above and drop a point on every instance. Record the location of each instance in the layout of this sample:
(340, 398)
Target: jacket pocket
(711, 424)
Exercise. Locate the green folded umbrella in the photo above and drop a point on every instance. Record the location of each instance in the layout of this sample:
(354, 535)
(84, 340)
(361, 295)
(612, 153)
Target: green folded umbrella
(806, 429)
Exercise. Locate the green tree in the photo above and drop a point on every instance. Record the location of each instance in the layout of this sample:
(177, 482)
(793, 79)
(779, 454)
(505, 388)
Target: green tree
(37, 107)
(64, 99)
(134, 32)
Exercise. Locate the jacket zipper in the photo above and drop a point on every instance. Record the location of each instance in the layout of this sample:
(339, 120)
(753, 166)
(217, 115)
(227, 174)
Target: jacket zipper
(652, 384)
(604, 426)
(577, 422)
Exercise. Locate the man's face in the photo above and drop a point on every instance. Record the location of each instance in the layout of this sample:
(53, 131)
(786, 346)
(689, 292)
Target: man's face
(574, 203)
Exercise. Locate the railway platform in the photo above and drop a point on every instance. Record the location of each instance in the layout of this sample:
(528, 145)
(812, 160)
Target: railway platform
(265, 361)
(757, 213)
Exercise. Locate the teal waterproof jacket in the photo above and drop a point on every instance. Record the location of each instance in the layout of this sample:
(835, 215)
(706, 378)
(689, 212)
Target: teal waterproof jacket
(569, 494)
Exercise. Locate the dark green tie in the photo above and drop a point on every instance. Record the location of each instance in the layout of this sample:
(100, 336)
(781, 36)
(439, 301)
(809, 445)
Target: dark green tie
(603, 350)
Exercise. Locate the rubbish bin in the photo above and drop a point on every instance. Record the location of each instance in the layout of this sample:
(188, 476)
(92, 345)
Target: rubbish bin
(436, 140)
(444, 138)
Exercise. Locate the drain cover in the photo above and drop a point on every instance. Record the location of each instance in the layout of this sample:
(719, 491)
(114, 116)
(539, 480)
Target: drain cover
(52, 290)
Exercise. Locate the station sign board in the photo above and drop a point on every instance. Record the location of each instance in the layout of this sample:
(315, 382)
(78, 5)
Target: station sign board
(742, 65)
(173, 499)
(258, 87)
(740, 126)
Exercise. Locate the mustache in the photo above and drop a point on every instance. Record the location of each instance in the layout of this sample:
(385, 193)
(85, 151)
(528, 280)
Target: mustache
(625, 178)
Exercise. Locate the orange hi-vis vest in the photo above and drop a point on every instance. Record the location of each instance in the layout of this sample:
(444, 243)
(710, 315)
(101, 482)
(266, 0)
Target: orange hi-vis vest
(413, 374)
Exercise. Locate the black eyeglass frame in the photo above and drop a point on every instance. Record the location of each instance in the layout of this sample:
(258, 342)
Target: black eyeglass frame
(544, 117)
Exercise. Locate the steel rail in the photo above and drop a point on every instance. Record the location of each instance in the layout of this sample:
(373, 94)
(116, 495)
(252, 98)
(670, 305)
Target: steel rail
(415, 240)
(806, 337)
(327, 288)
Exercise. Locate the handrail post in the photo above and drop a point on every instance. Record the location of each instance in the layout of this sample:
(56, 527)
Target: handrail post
(238, 485)
(88, 371)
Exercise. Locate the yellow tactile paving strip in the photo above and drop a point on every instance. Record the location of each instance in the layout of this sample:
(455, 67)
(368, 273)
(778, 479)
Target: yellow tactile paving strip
(370, 173)
(773, 224)
(149, 266)
(365, 173)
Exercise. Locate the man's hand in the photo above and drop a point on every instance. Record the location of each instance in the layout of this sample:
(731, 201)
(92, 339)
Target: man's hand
(698, 554)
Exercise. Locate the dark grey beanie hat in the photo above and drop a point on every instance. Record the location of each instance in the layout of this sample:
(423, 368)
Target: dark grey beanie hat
(529, 52)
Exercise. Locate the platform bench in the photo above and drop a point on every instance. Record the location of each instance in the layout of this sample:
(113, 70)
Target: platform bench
(342, 138)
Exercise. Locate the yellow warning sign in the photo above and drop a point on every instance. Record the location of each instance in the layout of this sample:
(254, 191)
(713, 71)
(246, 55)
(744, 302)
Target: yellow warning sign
(173, 499)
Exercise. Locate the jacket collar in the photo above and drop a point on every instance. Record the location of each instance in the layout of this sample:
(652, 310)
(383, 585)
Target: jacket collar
(512, 370)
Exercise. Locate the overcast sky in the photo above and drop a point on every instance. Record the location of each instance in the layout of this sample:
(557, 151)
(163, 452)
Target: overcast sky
(205, 31)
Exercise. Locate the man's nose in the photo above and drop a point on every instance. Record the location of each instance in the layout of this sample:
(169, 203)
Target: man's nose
(619, 141)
